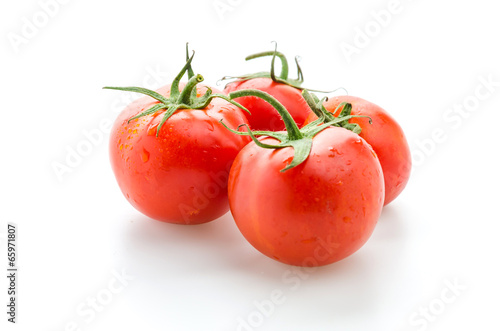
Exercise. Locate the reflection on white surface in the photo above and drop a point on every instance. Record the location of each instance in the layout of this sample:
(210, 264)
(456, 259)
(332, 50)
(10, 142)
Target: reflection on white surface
(210, 268)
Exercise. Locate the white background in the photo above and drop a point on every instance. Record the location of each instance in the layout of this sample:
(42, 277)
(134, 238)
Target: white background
(76, 232)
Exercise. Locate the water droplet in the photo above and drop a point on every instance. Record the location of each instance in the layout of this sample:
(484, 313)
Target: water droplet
(334, 152)
(152, 130)
(288, 160)
(144, 155)
(308, 241)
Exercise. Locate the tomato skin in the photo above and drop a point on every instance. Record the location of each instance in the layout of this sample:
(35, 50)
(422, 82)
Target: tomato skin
(181, 175)
(262, 115)
(317, 213)
(386, 137)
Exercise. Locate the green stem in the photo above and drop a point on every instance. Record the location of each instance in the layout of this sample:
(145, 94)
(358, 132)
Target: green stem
(312, 104)
(152, 94)
(300, 75)
(284, 62)
(174, 88)
(291, 127)
(190, 69)
(187, 99)
(185, 96)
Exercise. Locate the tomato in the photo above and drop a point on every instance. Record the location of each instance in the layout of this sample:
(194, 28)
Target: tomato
(264, 117)
(287, 91)
(313, 213)
(386, 137)
(176, 171)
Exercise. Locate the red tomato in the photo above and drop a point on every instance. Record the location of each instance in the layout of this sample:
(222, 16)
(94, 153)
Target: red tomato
(318, 212)
(262, 115)
(179, 176)
(384, 135)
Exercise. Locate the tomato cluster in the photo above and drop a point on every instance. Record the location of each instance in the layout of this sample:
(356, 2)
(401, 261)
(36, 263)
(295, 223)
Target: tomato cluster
(305, 179)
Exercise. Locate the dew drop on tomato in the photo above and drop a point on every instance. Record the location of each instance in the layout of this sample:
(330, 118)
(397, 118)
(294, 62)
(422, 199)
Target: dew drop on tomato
(334, 151)
(152, 130)
(144, 155)
(288, 159)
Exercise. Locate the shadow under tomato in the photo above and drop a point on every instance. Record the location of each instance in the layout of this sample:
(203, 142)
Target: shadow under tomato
(153, 244)
(219, 243)
(348, 289)
(216, 260)
(357, 286)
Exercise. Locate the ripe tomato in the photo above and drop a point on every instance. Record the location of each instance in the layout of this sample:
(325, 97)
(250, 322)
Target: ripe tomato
(287, 91)
(384, 135)
(317, 212)
(176, 171)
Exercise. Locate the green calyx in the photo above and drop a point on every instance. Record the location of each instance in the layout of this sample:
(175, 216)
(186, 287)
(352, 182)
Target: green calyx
(299, 139)
(325, 116)
(185, 99)
(282, 78)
